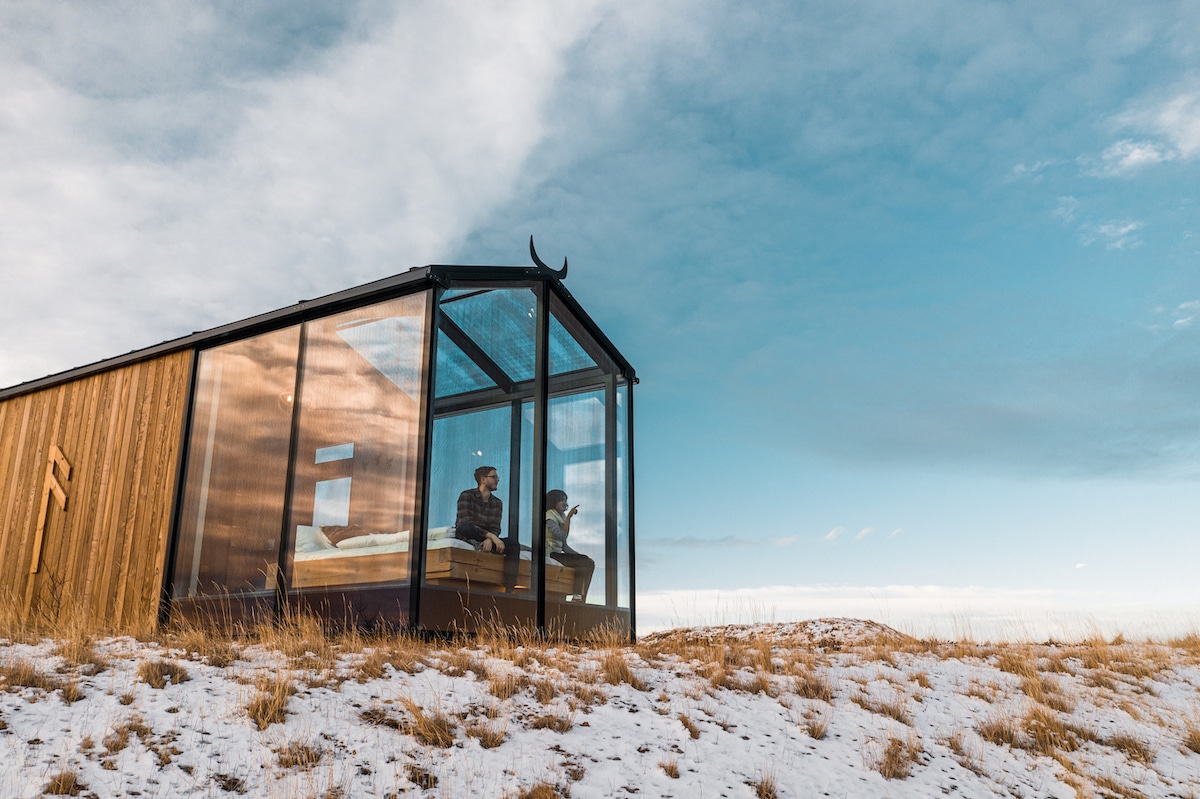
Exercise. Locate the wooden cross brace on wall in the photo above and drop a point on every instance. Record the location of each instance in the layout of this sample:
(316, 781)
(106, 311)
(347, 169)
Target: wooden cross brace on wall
(50, 488)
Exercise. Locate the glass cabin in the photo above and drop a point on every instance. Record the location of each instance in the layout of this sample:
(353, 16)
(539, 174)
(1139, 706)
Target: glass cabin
(328, 448)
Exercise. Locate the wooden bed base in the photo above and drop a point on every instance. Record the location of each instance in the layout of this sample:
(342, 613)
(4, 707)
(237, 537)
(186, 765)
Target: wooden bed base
(450, 567)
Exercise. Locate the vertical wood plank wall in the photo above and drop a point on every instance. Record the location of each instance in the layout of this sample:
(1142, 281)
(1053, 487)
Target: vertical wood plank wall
(102, 559)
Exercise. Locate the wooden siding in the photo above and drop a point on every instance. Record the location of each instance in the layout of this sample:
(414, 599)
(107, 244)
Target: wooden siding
(102, 559)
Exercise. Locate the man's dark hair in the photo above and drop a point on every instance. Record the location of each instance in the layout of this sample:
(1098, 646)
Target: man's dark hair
(482, 472)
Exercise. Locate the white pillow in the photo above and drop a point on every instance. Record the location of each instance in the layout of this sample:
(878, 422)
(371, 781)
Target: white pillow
(311, 539)
(373, 540)
(438, 533)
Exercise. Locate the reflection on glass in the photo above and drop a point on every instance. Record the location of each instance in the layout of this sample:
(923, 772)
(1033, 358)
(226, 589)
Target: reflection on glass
(623, 549)
(355, 488)
(575, 464)
(237, 467)
(485, 369)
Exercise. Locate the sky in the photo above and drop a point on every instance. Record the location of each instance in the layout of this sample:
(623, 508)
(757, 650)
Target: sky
(912, 290)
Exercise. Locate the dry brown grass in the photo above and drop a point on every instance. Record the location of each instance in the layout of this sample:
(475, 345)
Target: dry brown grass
(430, 727)
(299, 754)
(1019, 661)
(1043, 732)
(588, 694)
(543, 790)
(816, 687)
(552, 721)
(670, 767)
(24, 673)
(206, 644)
(420, 777)
(1188, 644)
(79, 651)
(401, 656)
(999, 730)
(1133, 747)
(1191, 738)
(616, 670)
(377, 714)
(899, 756)
(157, 673)
(1110, 788)
(765, 786)
(64, 783)
(816, 725)
(270, 706)
(544, 691)
(489, 735)
(689, 725)
(71, 692)
(965, 754)
(894, 709)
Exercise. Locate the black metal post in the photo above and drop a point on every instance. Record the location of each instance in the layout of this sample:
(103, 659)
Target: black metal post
(540, 424)
(285, 528)
(185, 445)
(417, 539)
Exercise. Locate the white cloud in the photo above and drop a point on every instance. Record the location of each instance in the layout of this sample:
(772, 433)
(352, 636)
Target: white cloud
(833, 534)
(378, 154)
(1186, 321)
(1080, 565)
(930, 610)
(895, 532)
(1127, 156)
(1114, 235)
(863, 533)
(1178, 120)
(1066, 208)
(1175, 125)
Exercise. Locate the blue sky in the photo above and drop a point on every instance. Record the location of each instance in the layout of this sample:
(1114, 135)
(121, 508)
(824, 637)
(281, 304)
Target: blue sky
(913, 289)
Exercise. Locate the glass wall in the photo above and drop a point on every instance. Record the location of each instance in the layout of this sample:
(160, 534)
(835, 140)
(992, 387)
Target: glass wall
(354, 490)
(232, 514)
(305, 453)
(486, 362)
(587, 533)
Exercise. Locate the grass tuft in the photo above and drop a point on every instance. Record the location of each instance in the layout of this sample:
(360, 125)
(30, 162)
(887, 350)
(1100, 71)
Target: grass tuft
(689, 725)
(157, 673)
(616, 670)
(765, 786)
(670, 767)
(489, 736)
(297, 754)
(899, 756)
(64, 783)
(552, 721)
(430, 727)
(270, 706)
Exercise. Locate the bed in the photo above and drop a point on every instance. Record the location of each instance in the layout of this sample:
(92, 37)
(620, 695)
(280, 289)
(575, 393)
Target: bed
(383, 557)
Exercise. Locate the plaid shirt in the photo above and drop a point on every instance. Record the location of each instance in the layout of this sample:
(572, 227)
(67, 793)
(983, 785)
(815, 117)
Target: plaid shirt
(477, 515)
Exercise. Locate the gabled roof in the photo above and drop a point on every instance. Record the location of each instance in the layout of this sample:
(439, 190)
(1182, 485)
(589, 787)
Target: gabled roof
(414, 279)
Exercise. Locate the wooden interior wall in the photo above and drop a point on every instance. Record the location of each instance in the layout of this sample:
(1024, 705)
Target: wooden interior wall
(102, 558)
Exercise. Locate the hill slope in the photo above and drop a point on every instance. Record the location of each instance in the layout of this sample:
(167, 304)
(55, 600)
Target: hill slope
(827, 707)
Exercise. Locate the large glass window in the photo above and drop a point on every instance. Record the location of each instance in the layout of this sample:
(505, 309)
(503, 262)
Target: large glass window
(232, 514)
(353, 508)
(483, 410)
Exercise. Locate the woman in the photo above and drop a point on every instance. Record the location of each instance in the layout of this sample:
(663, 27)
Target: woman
(558, 528)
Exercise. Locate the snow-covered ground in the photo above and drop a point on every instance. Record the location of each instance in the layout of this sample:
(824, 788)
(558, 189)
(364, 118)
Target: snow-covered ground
(830, 707)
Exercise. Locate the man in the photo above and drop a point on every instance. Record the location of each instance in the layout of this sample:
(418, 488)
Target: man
(479, 512)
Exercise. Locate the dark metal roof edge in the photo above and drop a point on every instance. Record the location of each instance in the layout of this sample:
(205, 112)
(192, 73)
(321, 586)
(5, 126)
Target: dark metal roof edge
(318, 307)
(594, 330)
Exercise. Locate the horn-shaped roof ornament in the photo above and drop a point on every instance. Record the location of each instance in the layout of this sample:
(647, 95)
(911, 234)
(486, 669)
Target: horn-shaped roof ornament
(561, 274)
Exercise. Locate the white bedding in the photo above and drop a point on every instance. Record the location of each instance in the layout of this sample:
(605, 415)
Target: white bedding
(312, 544)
